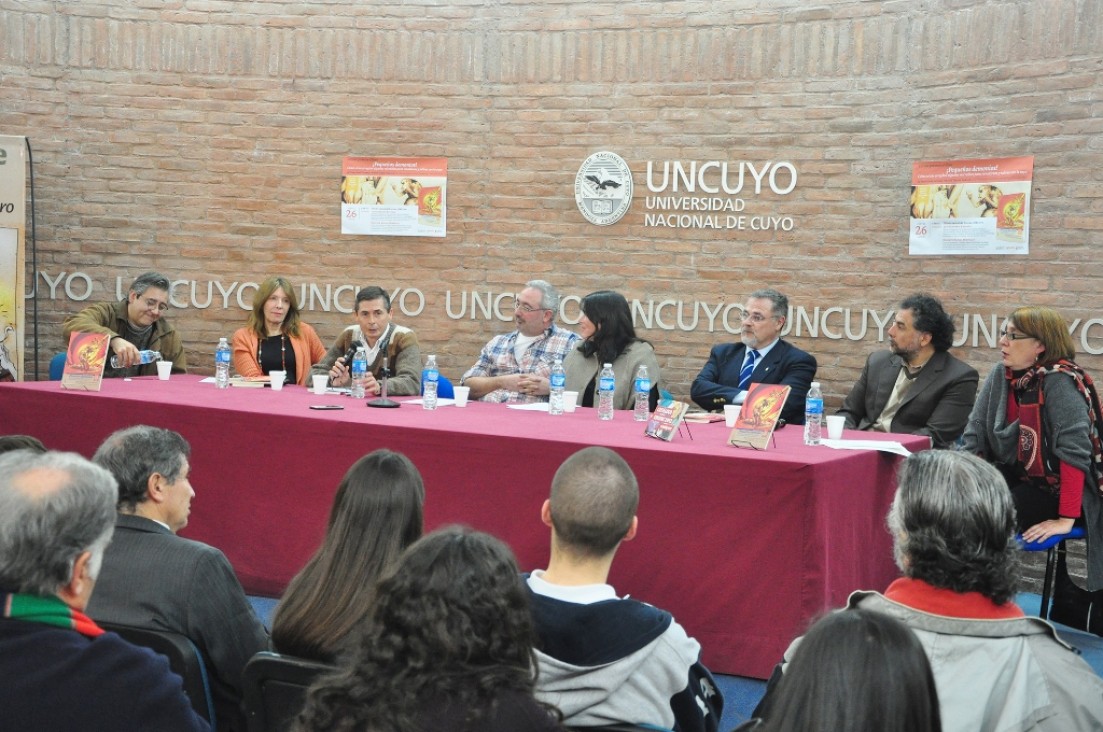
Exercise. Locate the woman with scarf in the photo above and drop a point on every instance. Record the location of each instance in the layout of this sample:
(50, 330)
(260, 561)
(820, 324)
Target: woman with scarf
(1037, 418)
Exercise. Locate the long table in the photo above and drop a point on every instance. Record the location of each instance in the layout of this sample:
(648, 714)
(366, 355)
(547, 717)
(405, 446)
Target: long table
(743, 547)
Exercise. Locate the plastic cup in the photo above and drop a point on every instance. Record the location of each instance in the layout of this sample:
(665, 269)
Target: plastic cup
(164, 370)
(320, 382)
(277, 378)
(835, 424)
(460, 394)
(570, 401)
(731, 413)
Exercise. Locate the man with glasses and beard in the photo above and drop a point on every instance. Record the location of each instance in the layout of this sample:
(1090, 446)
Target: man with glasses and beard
(134, 324)
(761, 357)
(504, 363)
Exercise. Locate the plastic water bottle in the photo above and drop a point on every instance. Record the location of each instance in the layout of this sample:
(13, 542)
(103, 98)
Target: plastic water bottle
(813, 415)
(429, 378)
(222, 364)
(557, 383)
(146, 357)
(359, 373)
(643, 395)
(606, 385)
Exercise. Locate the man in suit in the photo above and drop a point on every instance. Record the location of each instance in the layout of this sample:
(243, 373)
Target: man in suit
(154, 579)
(58, 669)
(761, 358)
(916, 387)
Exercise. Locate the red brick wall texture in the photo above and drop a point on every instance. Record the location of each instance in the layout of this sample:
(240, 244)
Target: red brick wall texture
(205, 139)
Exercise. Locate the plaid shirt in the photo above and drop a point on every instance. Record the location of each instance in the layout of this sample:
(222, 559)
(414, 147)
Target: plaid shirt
(497, 358)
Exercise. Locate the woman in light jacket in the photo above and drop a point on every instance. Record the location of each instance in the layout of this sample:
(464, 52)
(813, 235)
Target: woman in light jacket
(275, 339)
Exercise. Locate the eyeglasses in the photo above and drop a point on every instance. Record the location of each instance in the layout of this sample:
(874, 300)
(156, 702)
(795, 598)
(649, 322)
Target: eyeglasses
(525, 307)
(156, 305)
(756, 317)
(1013, 336)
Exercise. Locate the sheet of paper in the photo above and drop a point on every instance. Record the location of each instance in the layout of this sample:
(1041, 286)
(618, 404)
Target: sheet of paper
(534, 407)
(883, 445)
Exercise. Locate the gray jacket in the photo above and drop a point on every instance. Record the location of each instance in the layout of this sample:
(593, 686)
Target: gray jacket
(1067, 425)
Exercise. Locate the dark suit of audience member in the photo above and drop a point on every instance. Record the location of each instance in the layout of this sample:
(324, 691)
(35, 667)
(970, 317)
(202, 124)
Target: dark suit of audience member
(60, 671)
(761, 357)
(937, 403)
(152, 578)
(917, 387)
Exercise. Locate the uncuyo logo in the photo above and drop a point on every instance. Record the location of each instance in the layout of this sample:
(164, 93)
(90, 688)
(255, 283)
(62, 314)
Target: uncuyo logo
(603, 188)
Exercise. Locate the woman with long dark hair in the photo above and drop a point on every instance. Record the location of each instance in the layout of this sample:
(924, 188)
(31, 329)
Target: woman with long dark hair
(855, 670)
(608, 336)
(448, 647)
(376, 514)
(276, 338)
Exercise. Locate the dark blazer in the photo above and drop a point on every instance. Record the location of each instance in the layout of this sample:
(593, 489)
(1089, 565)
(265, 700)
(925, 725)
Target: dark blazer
(718, 382)
(937, 404)
(152, 578)
(57, 679)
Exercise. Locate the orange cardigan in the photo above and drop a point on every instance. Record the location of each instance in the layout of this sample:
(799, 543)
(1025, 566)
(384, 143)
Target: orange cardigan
(308, 350)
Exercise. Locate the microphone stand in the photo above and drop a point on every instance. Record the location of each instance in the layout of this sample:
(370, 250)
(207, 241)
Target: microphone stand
(382, 402)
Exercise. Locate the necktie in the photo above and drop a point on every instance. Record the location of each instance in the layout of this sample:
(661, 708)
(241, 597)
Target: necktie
(745, 374)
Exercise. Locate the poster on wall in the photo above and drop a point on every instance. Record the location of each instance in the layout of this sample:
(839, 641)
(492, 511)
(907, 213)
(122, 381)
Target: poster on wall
(971, 206)
(393, 196)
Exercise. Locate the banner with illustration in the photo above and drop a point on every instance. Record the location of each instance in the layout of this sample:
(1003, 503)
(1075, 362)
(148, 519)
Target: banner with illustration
(393, 196)
(13, 216)
(971, 206)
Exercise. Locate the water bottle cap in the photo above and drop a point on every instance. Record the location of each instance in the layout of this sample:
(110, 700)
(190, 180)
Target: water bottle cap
(608, 365)
(815, 384)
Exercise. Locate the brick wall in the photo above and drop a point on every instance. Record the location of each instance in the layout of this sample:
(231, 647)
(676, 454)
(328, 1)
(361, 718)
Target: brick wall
(204, 139)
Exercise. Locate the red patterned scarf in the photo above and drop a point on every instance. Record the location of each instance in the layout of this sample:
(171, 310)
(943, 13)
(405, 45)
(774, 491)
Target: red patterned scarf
(48, 611)
(1031, 398)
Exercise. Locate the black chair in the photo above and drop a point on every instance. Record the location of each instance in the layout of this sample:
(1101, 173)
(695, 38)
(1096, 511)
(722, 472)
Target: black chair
(275, 689)
(184, 660)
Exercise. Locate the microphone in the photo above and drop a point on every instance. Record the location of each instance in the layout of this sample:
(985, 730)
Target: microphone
(351, 352)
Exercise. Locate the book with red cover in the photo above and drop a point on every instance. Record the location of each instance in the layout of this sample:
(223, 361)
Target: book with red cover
(759, 415)
(85, 361)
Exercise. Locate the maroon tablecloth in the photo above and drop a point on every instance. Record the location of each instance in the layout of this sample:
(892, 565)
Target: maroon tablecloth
(742, 547)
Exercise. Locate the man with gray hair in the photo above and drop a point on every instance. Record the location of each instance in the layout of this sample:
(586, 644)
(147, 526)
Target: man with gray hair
(58, 669)
(761, 357)
(953, 525)
(134, 324)
(605, 659)
(154, 579)
(514, 367)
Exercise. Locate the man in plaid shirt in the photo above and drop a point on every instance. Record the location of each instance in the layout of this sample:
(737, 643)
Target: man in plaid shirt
(530, 350)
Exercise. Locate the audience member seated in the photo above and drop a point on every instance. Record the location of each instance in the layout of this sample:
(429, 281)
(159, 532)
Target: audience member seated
(154, 579)
(447, 647)
(275, 338)
(8, 443)
(953, 524)
(59, 671)
(530, 350)
(382, 339)
(134, 324)
(916, 387)
(855, 671)
(608, 336)
(603, 659)
(1037, 419)
(376, 514)
(760, 358)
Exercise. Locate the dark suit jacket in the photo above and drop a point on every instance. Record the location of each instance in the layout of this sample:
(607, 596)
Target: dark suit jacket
(152, 578)
(57, 679)
(937, 404)
(718, 382)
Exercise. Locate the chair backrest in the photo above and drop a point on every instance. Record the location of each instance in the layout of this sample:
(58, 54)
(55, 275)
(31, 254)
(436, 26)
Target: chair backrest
(184, 660)
(57, 366)
(275, 689)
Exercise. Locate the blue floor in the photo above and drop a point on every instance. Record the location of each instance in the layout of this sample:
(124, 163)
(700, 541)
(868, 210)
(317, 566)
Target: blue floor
(741, 694)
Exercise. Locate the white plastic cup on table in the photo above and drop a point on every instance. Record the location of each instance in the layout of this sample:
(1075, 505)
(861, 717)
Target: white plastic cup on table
(835, 424)
(164, 370)
(320, 382)
(731, 413)
(277, 378)
(460, 395)
(570, 401)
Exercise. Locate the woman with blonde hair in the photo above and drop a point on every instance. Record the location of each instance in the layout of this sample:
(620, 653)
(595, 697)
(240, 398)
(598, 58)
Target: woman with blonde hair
(1037, 418)
(275, 338)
